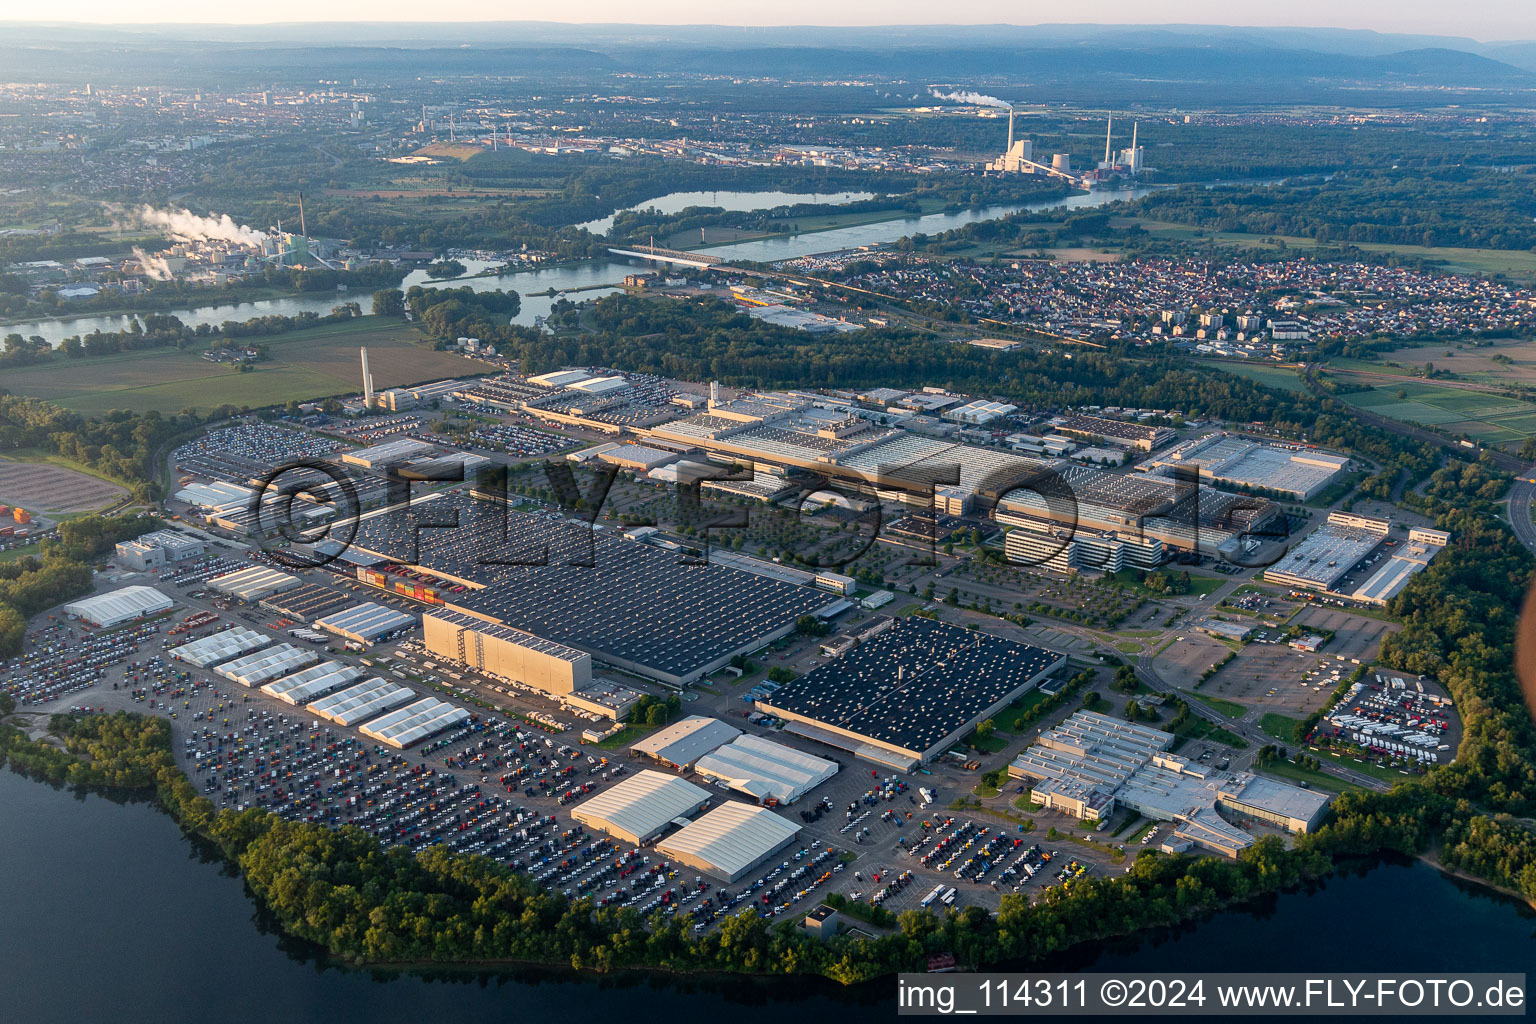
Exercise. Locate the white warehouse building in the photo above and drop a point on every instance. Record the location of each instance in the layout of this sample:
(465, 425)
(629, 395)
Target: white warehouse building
(119, 606)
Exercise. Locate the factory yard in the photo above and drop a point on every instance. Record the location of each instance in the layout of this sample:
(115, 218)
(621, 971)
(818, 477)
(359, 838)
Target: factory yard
(480, 788)
(304, 365)
(51, 488)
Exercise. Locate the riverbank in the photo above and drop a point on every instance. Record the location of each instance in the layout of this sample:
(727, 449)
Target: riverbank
(1432, 859)
(297, 872)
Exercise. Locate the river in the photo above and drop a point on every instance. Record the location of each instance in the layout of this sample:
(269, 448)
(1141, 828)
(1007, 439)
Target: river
(735, 202)
(583, 275)
(111, 914)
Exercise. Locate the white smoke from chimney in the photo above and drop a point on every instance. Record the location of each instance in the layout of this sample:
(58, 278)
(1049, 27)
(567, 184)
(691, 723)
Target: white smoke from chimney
(974, 98)
(153, 266)
(186, 226)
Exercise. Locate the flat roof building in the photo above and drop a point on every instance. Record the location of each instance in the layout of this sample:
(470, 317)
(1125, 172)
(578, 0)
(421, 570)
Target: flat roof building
(910, 692)
(641, 807)
(1091, 763)
(729, 841)
(507, 653)
(156, 549)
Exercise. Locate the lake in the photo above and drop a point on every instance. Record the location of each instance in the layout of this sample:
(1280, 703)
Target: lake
(735, 202)
(110, 914)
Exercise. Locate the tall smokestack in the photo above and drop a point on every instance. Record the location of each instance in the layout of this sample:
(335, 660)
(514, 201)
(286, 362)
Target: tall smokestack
(302, 229)
(1010, 132)
(1108, 126)
(367, 381)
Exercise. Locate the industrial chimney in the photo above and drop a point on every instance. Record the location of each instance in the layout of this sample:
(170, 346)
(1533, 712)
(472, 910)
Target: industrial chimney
(367, 380)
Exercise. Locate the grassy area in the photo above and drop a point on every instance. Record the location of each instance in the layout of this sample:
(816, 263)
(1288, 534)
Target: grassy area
(1281, 727)
(304, 365)
(1365, 767)
(1314, 779)
(1230, 708)
(985, 791)
(986, 744)
(1200, 729)
(1279, 377)
(622, 738)
(1479, 415)
(22, 552)
(1128, 647)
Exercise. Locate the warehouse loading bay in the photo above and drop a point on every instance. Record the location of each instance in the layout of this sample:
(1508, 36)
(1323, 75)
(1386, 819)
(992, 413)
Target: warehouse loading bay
(867, 836)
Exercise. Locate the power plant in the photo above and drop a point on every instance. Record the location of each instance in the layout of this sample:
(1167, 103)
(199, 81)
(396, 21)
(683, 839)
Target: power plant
(1019, 158)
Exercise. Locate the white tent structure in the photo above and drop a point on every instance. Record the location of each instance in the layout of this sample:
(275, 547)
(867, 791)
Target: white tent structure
(119, 606)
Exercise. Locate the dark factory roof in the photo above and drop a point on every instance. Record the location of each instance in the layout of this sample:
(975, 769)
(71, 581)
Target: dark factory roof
(915, 684)
(618, 600)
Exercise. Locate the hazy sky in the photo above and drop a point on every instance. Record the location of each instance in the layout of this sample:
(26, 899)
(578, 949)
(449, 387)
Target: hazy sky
(1478, 19)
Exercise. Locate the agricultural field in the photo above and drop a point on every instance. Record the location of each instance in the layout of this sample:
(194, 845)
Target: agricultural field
(1482, 365)
(1481, 416)
(1514, 263)
(304, 365)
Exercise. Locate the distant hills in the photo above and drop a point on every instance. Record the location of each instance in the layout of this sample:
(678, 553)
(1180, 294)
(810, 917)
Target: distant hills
(1158, 63)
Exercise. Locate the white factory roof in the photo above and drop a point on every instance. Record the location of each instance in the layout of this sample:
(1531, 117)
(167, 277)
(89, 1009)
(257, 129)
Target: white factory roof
(253, 584)
(762, 769)
(642, 804)
(305, 685)
(119, 606)
(361, 702)
(220, 646)
(729, 839)
(415, 722)
(214, 494)
(261, 666)
(401, 449)
(559, 379)
(366, 621)
(600, 385)
(682, 743)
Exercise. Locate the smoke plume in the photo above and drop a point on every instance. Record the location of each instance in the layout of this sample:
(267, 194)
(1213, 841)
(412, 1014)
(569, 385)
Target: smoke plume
(186, 226)
(153, 266)
(974, 98)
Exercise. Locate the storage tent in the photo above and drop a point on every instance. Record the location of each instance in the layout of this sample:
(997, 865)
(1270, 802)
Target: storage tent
(119, 606)
(682, 743)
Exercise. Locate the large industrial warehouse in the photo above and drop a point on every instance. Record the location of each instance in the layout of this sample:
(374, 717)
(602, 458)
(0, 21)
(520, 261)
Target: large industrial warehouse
(113, 609)
(366, 623)
(682, 743)
(641, 807)
(508, 653)
(630, 605)
(253, 584)
(729, 841)
(765, 770)
(904, 696)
